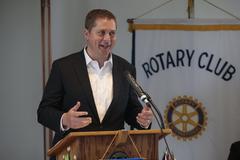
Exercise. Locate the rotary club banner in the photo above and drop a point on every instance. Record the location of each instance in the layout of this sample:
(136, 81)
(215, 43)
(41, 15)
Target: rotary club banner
(191, 69)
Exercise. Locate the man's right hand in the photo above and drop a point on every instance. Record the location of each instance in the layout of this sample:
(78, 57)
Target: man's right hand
(72, 118)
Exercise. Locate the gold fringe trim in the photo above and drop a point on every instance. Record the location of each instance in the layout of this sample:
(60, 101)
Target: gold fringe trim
(183, 27)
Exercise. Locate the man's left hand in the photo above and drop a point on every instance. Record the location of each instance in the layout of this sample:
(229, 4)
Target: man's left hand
(145, 117)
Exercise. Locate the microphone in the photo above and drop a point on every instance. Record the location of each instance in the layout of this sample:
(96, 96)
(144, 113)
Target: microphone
(144, 97)
(137, 88)
(148, 101)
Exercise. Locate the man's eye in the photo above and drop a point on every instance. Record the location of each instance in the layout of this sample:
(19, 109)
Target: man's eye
(112, 33)
(101, 33)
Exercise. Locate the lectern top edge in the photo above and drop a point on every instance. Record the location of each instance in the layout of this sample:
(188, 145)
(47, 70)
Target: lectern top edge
(73, 135)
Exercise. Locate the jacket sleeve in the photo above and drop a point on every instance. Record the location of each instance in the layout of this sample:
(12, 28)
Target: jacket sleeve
(50, 108)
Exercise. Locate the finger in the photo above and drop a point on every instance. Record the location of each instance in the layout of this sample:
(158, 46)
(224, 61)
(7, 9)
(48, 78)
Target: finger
(144, 119)
(81, 122)
(143, 123)
(146, 108)
(141, 120)
(86, 120)
(148, 114)
(79, 114)
(76, 107)
(144, 115)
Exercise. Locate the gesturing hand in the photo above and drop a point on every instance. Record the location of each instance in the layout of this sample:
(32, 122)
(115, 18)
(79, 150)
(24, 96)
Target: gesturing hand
(145, 117)
(72, 118)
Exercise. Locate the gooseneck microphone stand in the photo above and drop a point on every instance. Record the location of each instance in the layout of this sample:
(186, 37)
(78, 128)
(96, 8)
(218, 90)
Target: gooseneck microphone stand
(149, 102)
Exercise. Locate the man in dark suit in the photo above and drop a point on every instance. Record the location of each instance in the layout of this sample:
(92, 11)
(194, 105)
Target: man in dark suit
(88, 91)
(234, 151)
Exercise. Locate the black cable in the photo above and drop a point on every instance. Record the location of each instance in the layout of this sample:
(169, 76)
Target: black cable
(152, 106)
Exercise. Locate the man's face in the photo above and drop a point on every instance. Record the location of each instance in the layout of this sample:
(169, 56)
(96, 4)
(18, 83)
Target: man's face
(101, 39)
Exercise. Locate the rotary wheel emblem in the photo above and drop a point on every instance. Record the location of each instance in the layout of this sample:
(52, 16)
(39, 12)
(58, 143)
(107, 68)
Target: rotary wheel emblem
(186, 117)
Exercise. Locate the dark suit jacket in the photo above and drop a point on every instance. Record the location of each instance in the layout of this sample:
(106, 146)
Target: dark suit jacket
(234, 151)
(69, 82)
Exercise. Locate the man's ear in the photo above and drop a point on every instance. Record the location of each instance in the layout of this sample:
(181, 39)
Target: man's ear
(86, 34)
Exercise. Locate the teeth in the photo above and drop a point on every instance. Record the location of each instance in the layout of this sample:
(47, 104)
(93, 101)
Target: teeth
(105, 45)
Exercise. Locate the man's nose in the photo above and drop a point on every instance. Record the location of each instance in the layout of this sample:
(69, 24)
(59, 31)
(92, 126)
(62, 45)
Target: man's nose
(107, 36)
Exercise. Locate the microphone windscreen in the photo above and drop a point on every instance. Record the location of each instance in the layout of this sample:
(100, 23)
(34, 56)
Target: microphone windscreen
(133, 83)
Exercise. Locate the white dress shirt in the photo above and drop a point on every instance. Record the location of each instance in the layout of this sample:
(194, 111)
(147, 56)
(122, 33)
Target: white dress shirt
(101, 83)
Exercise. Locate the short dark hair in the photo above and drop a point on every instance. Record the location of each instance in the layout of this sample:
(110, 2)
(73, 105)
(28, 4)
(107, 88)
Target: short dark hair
(95, 14)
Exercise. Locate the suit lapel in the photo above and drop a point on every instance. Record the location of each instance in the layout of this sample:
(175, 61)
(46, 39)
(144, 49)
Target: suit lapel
(116, 87)
(80, 67)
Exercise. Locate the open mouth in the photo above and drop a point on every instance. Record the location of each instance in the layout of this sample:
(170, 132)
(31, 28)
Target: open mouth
(105, 45)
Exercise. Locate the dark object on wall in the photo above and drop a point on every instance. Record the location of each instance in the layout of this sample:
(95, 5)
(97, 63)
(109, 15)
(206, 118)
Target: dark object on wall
(234, 151)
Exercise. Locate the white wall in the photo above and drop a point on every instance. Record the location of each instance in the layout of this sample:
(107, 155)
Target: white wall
(67, 22)
(64, 18)
(20, 55)
(66, 15)
(204, 10)
(20, 83)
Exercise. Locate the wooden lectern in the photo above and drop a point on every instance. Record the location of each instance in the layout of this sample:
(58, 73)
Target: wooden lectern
(102, 145)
